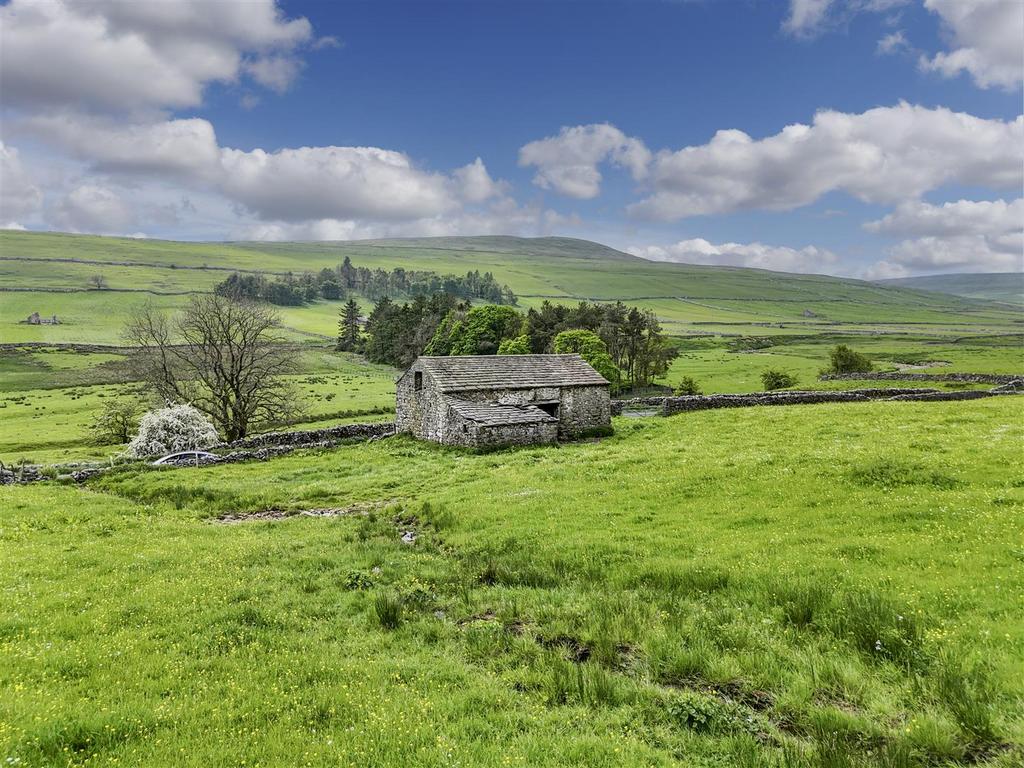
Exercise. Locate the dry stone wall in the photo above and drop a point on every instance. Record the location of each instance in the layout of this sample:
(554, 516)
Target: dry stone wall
(671, 405)
(962, 378)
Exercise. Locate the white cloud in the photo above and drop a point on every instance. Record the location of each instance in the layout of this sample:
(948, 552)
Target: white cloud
(475, 185)
(885, 155)
(332, 182)
(757, 255)
(503, 217)
(567, 163)
(175, 148)
(95, 209)
(806, 16)
(966, 235)
(963, 217)
(892, 43)
(293, 193)
(275, 72)
(20, 198)
(130, 56)
(987, 38)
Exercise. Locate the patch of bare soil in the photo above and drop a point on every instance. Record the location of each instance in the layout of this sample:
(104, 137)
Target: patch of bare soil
(359, 508)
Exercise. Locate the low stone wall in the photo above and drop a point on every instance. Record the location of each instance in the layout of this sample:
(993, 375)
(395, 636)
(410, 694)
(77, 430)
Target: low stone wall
(788, 397)
(255, 448)
(316, 436)
(962, 378)
(970, 394)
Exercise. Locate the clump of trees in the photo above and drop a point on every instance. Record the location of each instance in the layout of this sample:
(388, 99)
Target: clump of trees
(475, 331)
(378, 283)
(375, 284)
(591, 348)
(632, 336)
(843, 359)
(775, 379)
(397, 333)
(219, 354)
(632, 339)
(520, 345)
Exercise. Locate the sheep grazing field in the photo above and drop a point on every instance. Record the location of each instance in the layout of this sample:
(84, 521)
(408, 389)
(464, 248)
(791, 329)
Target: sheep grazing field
(837, 584)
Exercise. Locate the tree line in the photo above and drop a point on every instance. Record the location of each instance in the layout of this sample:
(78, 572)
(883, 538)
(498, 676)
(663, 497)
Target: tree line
(625, 344)
(295, 290)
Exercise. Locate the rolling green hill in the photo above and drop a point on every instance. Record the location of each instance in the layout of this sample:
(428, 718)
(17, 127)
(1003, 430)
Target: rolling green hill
(994, 286)
(49, 273)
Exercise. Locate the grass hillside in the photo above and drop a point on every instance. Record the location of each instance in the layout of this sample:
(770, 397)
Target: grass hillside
(994, 286)
(799, 587)
(49, 273)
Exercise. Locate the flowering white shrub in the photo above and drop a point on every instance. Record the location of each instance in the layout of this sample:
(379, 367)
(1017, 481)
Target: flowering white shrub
(172, 429)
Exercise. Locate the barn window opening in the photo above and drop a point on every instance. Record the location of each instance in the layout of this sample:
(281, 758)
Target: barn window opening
(551, 409)
(418, 380)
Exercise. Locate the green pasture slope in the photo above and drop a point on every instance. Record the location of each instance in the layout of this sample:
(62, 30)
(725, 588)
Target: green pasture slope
(833, 585)
(1005, 287)
(55, 269)
(50, 395)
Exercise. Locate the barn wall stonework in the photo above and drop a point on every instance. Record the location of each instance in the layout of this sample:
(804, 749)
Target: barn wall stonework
(583, 409)
(426, 413)
(422, 413)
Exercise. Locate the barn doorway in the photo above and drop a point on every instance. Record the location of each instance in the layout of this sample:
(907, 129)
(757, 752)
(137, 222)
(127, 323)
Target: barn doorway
(551, 409)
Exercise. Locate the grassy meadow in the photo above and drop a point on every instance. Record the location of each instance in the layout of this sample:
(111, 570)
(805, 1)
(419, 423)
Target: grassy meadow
(52, 271)
(49, 395)
(822, 586)
(835, 585)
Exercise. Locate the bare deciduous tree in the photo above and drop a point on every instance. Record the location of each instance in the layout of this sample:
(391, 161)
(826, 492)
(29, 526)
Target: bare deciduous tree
(98, 282)
(221, 355)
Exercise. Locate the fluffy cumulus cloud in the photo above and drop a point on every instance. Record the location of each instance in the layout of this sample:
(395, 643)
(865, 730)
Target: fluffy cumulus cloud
(568, 163)
(966, 235)
(115, 55)
(986, 38)
(757, 255)
(885, 155)
(20, 198)
(291, 185)
(97, 80)
(92, 208)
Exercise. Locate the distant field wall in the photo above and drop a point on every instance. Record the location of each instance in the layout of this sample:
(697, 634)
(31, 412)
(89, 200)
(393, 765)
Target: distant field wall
(962, 378)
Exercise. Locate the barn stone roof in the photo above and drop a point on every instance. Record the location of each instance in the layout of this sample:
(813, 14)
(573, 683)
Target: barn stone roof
(494, 414)
(476, 372)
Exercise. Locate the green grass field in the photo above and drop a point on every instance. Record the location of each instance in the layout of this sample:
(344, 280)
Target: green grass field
(830, 585)
(687, 298)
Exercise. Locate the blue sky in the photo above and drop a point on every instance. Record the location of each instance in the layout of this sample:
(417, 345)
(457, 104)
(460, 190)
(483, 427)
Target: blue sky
(242, 121)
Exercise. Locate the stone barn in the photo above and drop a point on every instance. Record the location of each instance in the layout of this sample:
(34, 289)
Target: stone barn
(488, 401)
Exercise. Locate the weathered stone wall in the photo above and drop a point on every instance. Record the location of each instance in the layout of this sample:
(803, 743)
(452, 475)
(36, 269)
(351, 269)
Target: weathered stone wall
(255, 448)
(420, 412)
(579, 408)
(963, 378)
(303, 437)
(497, 436)
(671, 405)
(702, 402)
(582, 409)
(510, 396)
